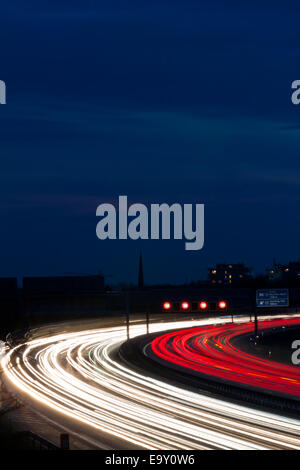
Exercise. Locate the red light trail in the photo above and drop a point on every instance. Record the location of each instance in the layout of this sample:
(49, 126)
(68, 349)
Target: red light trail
(210, 350)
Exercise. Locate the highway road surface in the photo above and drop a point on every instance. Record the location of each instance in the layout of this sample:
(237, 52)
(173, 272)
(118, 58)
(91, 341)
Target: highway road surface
(211, 351)
(76, 379)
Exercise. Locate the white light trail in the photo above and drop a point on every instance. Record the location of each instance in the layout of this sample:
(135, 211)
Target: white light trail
(77, 375)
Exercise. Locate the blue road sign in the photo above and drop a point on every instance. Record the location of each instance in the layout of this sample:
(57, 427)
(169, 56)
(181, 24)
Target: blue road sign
(272, 298)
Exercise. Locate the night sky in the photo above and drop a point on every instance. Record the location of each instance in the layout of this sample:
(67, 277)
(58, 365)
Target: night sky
(163, 101)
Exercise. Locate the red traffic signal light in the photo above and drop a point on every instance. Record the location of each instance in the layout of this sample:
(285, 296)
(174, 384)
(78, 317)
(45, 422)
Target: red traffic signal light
(203, 305)
(166, 306)
(222, 304)
(185, 306)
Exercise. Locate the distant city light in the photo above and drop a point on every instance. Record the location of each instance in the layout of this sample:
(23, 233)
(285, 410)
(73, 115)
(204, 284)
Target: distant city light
(185, 305)
(203, 305)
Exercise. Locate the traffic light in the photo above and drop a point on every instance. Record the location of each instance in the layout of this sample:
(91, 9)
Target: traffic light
(222, 304)
(185, 305)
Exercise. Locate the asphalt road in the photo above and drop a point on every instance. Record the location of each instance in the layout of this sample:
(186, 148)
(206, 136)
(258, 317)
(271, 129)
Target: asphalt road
(74, 379)
(212, 351)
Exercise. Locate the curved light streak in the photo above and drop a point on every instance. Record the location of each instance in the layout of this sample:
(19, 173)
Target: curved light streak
(78, 376)
(210, 350)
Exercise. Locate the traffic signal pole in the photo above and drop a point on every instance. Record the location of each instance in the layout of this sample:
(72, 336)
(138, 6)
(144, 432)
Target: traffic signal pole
(127, 314)
(147, 320)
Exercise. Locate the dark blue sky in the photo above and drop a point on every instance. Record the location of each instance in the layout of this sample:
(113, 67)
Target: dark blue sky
(165, 101)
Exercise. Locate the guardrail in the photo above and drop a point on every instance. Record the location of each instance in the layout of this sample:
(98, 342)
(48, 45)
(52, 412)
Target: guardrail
(11, 401)
(35, 441)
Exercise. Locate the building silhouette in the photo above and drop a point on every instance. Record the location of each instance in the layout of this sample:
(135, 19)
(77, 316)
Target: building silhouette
(228, 274)
(289, 273)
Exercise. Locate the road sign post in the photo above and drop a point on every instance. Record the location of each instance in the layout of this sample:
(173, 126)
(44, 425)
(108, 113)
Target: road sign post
(255, 323)
(254, 303)
(270, 298)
